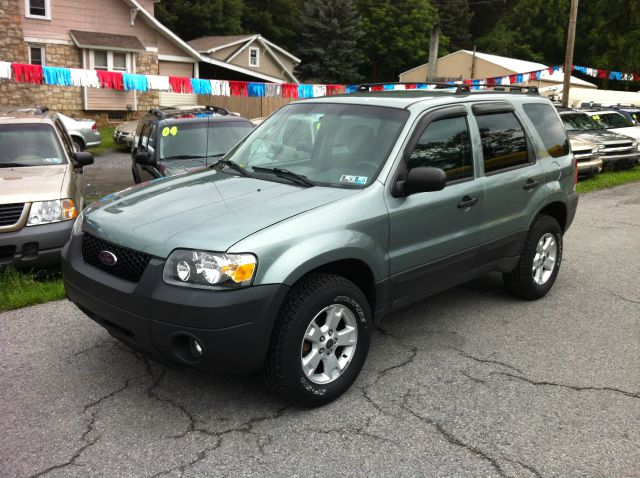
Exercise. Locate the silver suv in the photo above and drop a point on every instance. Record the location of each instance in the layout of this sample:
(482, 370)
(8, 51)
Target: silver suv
(329, 215)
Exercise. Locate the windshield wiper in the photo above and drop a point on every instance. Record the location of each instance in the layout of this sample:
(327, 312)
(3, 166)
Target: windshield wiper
(230, 164)
(285, 173)
(183, 156)
(17, 165)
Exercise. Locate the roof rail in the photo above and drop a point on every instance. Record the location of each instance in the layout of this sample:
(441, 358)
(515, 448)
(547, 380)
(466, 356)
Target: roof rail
(175, 111)
(460, 88)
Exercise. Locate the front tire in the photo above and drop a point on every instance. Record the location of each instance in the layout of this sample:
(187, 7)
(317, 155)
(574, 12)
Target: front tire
(539, 261)
(320, 340)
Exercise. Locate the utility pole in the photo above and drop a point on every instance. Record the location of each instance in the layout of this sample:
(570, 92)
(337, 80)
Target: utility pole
(568, 61)
(433, 53)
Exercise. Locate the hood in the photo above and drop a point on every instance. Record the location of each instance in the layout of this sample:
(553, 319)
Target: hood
(32, 183)
(208, 210)
(600, 136)
(128, 127)
(581, 144)
(631, 131)
(180, 166)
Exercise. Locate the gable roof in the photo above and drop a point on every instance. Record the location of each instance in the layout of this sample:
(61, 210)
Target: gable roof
(179, 42)
(212, 44)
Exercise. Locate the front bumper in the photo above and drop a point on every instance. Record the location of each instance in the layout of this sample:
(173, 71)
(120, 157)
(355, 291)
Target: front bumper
(34, 246)
(620, 161)
(120, 138)
(590, 167)
(233, 327)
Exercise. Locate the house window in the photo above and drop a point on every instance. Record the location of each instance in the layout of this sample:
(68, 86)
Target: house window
(38, 9)
(110, 60)
(254, 56)
(36, 55)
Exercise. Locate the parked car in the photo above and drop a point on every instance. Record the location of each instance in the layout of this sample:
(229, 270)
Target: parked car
(124, 133)
(84, 132)
(615, 122)
(587, 156)
(284, 258)
(616, 150)
(176, 141)
(632, 114)
(41, 187)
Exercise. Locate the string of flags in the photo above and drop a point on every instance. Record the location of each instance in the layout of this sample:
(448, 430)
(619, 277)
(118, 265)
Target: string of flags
(612, 75)
(50, 75)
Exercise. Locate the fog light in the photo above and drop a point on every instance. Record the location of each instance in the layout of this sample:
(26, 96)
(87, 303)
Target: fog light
(196, 348)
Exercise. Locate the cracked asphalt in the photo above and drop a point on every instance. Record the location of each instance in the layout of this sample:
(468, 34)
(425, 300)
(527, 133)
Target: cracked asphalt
(470, 382)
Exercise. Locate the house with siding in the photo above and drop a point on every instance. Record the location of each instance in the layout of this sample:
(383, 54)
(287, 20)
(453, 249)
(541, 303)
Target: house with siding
(253, 52)
(115, 35)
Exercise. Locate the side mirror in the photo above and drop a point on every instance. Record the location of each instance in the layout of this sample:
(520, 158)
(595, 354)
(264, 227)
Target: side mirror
(421, 180)
(82, 159)
(143, 157)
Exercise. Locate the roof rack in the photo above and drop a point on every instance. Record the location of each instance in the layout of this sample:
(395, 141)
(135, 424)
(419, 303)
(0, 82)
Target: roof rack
(169, 111)
(460, 88)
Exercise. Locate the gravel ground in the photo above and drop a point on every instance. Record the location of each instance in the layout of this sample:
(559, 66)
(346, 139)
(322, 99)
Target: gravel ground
(470, 382)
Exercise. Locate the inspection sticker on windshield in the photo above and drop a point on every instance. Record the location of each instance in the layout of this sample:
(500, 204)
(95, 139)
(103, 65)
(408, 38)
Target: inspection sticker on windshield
(353, 179)
(52, 160)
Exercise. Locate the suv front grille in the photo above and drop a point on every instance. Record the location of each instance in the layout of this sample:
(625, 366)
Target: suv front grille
(129, 266)
(10, 213)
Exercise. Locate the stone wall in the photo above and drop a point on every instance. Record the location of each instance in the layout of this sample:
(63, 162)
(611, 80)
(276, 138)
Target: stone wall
(66, 99)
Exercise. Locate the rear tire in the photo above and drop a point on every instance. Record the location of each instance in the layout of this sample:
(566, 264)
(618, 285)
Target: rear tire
(77, 145)
(317, 310)
(539, 261)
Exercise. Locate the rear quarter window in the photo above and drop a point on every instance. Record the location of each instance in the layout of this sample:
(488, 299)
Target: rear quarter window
(549, 128)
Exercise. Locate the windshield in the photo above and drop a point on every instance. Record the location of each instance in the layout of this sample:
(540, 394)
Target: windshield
(613, 120)
(29, 145)
(335, 145)
(579, 122)
(200, 140)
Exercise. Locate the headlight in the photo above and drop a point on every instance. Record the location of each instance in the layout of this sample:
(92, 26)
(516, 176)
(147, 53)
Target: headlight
(205, 269)
(46, 212)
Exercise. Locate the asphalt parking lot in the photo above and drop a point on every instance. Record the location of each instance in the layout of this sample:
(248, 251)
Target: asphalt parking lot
(470, 382)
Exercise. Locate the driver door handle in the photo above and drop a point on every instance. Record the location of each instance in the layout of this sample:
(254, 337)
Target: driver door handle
(531, 184)
(467, 201)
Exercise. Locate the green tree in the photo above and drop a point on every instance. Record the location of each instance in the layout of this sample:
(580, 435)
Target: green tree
(329, 42)
(396, 36)
(191, 19)
(455, 21)
(276, 20)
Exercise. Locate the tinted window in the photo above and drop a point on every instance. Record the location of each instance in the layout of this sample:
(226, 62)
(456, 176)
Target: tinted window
(549, 128)
(445, 144)
(503, 141)
(613, 120)
(579, 122)
(200, 140)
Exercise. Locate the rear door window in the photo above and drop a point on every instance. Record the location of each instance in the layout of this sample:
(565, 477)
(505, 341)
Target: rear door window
(549, 128)
(504, 143)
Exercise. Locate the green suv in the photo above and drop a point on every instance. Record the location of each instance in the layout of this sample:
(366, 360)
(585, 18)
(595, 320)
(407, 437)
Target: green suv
(335, 211)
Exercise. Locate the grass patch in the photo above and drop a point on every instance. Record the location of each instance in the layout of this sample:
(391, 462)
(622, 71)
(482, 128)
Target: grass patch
(609, 180)
(20, 289)
(106, 143)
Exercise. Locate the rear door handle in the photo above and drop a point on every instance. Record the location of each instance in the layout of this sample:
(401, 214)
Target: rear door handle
(531, 184)
(467, 201)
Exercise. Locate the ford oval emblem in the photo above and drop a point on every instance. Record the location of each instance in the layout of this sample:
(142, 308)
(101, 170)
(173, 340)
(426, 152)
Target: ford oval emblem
(107, 258)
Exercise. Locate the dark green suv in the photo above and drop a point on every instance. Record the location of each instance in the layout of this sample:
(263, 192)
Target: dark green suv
(332, 213)
(170, 141)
